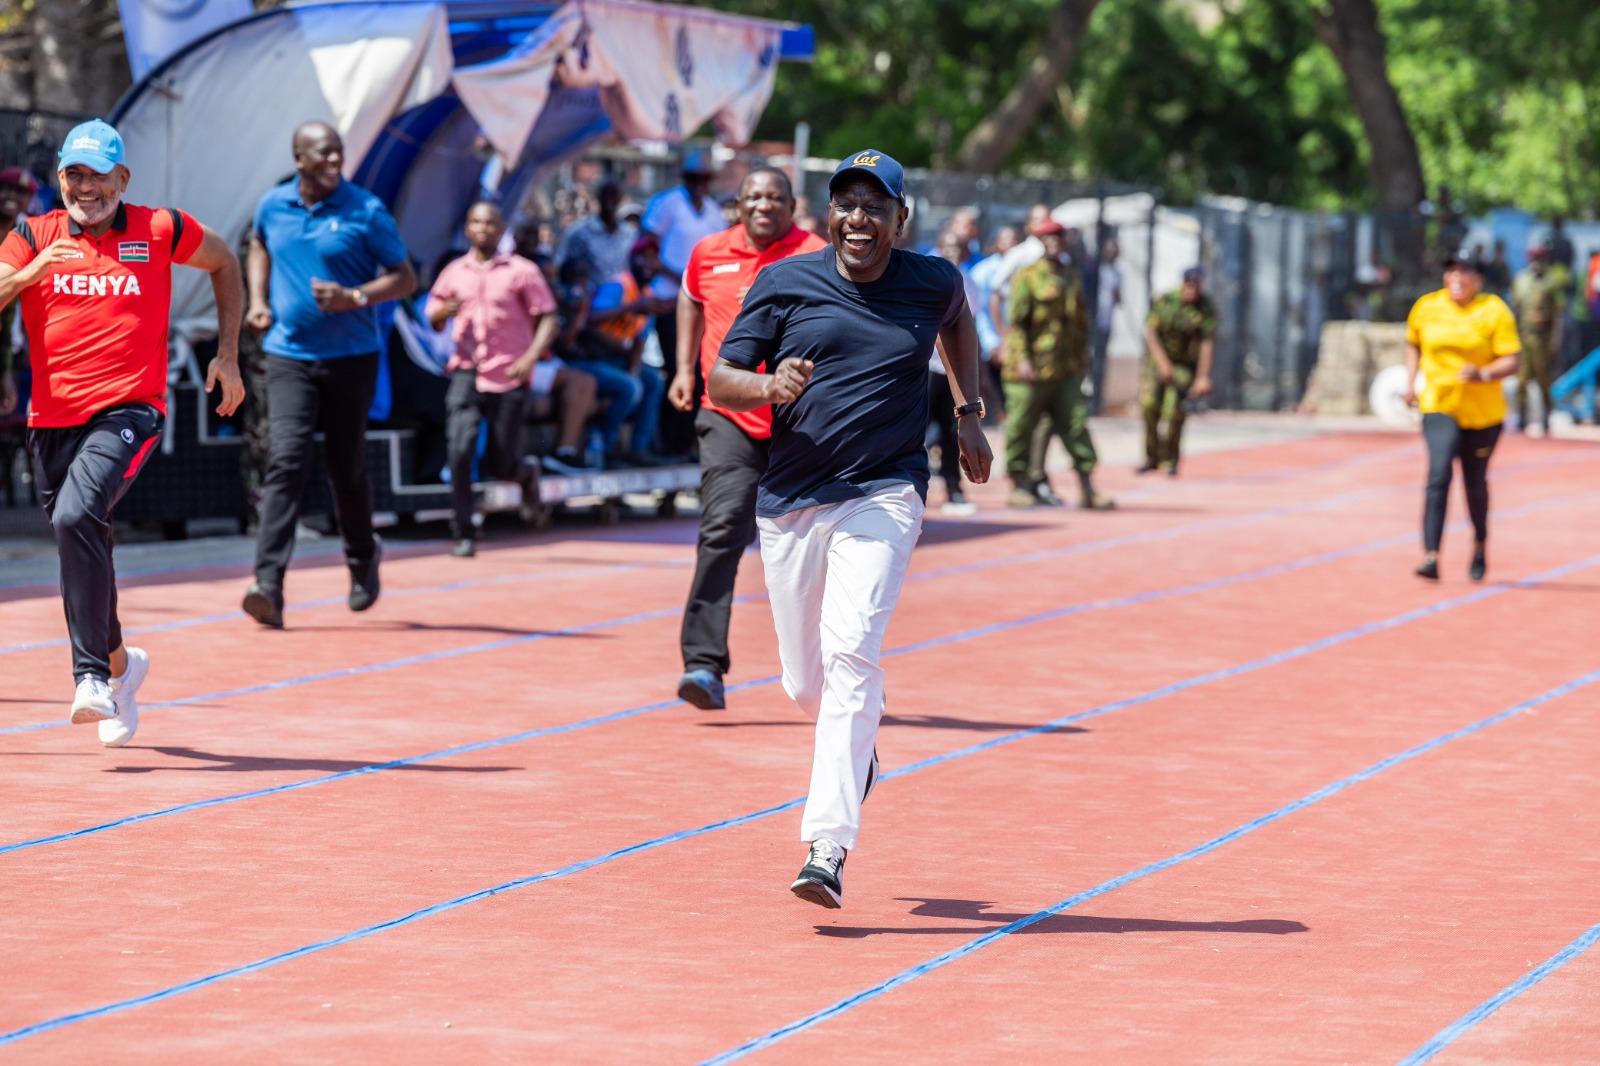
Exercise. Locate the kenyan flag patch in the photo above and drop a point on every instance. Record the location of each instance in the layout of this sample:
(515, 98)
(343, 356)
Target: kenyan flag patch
(134, 251)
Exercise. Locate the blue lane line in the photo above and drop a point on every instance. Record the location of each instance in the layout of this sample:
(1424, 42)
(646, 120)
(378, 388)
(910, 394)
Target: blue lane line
(1104, 544)
(938, 962)
(1456, 1029)
(745, 819)
(1147, 537)
(577, 570)
(439, 545)
(633, 712)
(382, 667)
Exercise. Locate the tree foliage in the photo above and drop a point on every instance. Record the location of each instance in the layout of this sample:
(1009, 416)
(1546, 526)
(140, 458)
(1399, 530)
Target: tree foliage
(1225, 96)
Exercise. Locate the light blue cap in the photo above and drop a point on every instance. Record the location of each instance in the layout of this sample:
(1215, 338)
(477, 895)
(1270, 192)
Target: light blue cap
(94, 144)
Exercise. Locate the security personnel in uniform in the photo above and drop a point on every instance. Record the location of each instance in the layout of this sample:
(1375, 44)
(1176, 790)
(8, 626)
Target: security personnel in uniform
(1178, 334)
(1045, 358)
(1539, 295)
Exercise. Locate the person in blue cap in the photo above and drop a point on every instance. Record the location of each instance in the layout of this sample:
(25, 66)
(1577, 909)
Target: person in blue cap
(1178, 334)
(838, 342)
(94, 278)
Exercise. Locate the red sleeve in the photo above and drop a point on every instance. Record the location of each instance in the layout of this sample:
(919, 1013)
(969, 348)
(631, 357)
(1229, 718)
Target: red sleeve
(691, 274)
(189, 240)
(14, 251)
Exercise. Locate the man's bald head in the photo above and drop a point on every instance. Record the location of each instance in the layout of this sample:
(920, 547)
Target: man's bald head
(312, 132)
(318, 159)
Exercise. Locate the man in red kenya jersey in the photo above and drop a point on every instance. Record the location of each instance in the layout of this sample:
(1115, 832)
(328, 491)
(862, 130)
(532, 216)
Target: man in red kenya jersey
(95, 282)
(733, 444)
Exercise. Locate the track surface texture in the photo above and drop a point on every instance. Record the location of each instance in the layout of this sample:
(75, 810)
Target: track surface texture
(1208, 778)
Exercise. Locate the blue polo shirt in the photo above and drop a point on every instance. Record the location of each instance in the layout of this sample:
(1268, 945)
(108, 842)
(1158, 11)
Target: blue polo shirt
(349, 238)
(858, 426)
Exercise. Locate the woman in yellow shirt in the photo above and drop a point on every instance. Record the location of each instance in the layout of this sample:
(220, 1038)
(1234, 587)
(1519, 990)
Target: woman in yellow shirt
(1464, 341)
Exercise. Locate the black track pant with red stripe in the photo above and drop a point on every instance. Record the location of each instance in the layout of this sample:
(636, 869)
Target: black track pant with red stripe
(81, 472)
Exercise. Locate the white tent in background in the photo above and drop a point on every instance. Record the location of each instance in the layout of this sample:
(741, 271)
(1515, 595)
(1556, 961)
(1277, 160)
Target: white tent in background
(417, 89)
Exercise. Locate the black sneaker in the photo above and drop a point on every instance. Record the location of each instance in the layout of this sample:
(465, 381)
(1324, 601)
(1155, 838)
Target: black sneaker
(264, 604)
(1480, 566)
(1428, 570)
(364, 587)
(872, 776)
(465, 548)
(1046, 495)
(819, 881)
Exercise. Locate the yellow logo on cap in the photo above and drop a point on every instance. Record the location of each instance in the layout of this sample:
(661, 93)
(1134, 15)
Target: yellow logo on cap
(864, 160)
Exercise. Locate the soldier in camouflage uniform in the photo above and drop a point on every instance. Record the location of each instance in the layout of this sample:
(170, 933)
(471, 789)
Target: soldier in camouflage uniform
(1046, 355)
(1178, 334)
(1539, 297)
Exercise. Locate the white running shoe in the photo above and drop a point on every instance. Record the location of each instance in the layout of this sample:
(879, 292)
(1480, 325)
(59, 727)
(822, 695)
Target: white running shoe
(115, 732)
(93, 702)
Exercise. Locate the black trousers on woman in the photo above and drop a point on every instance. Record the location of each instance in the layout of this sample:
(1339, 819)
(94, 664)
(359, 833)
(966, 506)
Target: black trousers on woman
(1449, 444)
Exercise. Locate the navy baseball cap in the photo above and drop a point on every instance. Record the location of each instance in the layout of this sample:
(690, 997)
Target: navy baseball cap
(1194, 274)
(94, 144)
(878, 166)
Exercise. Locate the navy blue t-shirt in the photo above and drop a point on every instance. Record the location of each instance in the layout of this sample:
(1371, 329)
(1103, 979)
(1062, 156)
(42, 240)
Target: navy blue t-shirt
(858, 426)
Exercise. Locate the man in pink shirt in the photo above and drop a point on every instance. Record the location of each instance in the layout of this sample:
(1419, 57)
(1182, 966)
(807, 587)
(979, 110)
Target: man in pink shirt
(504, 325)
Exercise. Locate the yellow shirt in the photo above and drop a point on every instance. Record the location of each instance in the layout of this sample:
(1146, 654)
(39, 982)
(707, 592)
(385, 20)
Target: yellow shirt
(1452, 337)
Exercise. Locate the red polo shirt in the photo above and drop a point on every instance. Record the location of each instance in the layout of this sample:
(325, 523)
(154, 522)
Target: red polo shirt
(721, 270)
(97, 326)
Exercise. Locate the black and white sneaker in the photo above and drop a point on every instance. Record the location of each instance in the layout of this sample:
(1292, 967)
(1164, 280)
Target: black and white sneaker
(872, 776)
(819, 881)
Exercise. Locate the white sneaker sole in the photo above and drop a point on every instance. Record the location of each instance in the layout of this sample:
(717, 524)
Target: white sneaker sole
(85, 713)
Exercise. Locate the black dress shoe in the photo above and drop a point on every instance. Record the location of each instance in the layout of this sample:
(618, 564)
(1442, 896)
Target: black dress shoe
(1429, 569)
(364, 586)
(1046, 495)
(264, 604)
(1480, 566)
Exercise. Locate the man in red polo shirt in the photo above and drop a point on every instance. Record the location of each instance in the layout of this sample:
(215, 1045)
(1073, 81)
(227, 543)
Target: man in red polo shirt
(95, 282)
(733, 444)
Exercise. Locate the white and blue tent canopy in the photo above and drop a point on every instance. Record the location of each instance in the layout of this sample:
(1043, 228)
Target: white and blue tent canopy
(423, 93)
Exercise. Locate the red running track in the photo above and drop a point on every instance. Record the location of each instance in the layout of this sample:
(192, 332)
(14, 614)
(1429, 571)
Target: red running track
(296, 862)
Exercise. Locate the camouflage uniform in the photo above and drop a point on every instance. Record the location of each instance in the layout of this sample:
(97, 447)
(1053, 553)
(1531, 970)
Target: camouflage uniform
(1539, 300)
(1181, 328)
(1049, 329)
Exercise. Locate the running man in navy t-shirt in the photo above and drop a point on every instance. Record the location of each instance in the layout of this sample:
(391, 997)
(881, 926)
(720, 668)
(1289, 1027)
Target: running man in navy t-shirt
(844, 335)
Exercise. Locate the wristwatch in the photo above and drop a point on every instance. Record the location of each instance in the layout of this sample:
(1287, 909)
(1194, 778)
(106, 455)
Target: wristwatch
(359, 296)
(973, 408)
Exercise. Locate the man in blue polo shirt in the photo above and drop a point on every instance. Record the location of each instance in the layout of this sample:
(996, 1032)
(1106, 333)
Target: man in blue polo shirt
(845, 335)
(323, 254)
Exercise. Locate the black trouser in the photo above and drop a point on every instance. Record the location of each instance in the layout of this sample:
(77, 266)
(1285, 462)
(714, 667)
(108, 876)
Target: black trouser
(731, 462)
(465, 409)
(81, 472)
(942, 413)
(1448, 443)
(301, 395)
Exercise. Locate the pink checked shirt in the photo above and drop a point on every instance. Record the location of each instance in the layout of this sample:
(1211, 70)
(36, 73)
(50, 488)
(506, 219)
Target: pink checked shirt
(501, 302)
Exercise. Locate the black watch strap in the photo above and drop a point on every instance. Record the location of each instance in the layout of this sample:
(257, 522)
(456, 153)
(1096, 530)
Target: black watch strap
(973, 408)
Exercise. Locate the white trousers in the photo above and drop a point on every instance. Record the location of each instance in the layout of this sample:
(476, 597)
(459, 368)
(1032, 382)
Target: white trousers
(834, 574)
